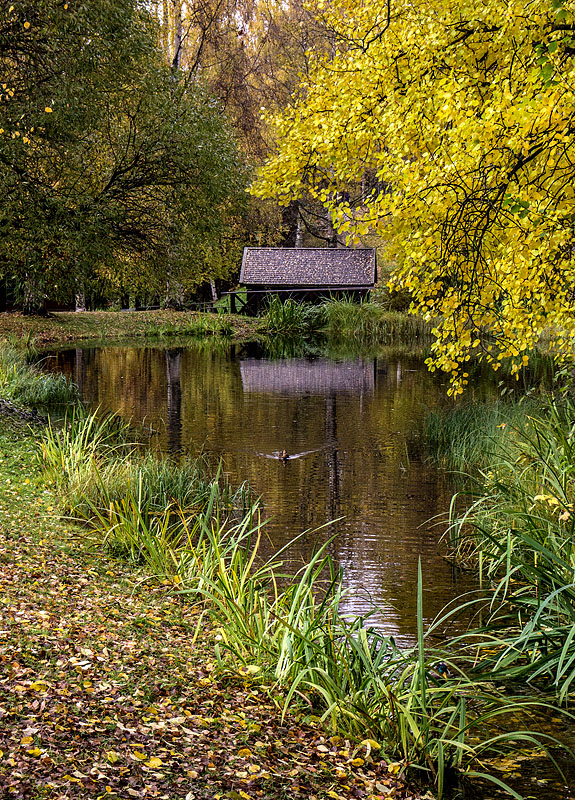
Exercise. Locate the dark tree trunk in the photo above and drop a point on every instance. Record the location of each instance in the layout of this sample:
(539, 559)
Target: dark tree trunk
(34, 296)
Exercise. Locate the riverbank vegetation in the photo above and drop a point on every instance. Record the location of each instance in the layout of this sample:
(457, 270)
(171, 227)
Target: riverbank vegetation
(99, 326)
(421, 710)
(361, 323)
(517, 530)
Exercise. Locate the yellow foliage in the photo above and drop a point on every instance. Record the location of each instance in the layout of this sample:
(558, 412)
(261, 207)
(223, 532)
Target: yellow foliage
(463, 114)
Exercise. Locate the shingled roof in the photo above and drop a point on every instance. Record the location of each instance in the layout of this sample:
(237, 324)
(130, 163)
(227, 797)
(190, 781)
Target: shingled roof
(308, 266)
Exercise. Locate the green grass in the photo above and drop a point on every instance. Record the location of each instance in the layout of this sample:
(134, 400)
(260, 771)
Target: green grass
(290, 318)
(98, 326)
(96, 465)
(371, 322)
(469, 436)
(519, 531)
(27, 385)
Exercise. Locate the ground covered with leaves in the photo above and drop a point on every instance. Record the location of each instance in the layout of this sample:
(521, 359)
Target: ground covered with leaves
(104, 693)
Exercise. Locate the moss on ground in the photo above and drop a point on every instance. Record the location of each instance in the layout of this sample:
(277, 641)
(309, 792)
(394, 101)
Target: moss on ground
(105, 693)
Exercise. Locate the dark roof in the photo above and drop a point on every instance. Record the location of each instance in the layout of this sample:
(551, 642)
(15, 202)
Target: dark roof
(308, 266)
(297, 376)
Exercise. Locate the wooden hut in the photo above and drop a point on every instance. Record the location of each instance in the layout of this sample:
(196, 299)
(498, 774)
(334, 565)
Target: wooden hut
(304, 273)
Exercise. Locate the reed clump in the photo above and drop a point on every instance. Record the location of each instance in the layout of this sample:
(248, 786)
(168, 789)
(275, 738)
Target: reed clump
(95, 465)
(28, 385)
(467, 437)
(371, 322)
(290, 318)
(519, 532)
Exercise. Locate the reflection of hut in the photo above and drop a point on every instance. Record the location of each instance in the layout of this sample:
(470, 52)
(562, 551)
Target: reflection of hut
(305, 273)
(298, 376)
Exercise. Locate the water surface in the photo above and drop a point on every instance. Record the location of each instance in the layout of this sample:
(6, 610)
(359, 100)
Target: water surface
(352, 429)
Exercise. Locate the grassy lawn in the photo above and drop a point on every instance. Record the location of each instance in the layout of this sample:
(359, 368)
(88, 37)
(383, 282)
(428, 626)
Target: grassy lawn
(105, 693)
(62, 327)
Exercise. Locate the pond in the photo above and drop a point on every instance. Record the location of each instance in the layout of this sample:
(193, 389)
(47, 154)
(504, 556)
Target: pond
(352, 429)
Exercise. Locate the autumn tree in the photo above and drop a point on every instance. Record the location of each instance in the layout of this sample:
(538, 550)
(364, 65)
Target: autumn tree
(250, 54)
(106, 157)
(463, 116)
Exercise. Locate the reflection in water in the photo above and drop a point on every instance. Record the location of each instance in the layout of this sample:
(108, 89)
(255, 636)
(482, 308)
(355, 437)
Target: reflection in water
(174, 399)
(351, 428)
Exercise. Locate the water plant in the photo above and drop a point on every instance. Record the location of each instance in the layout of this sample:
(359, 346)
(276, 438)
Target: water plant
(288, 317)
(520, 531)
(28, 384)
(96, 465)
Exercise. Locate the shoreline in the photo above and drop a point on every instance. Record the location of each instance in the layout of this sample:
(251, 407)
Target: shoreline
(63, 327)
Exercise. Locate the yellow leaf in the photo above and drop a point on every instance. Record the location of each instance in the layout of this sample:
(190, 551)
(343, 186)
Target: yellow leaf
(27, 740)
(154, 762)
(26, 25)
(39, 686)
(35, 752)
(140, 756)
(48, 110)
(245, 752)
(251, 669)
(372, 744)
(112, 756)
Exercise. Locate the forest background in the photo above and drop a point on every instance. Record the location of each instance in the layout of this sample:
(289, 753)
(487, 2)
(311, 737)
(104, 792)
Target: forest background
(129, 134)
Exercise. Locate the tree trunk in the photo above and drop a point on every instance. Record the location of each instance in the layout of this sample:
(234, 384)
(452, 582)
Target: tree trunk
(34, 299)
(80, 299)
(214, 290)
(174, 294)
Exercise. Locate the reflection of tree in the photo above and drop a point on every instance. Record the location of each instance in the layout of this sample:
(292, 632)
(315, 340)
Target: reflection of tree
(79, 370)
(174, 399)
(332, 454)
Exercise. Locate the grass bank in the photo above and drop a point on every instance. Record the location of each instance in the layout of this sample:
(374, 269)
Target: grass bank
(62, 327)
(111, 689)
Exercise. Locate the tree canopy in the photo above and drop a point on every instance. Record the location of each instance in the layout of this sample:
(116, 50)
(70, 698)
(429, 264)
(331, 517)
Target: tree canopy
(447, 127)
(112, 164)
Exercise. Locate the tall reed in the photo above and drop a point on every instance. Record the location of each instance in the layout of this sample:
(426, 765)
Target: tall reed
(26, 384)
(289, 318)
(521, 531)
(370, 322)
